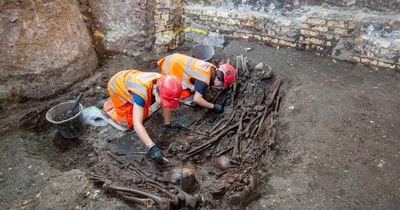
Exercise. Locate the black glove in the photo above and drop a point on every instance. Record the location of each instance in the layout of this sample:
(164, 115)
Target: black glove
(218, 108)
(174, 126)
(156, 154)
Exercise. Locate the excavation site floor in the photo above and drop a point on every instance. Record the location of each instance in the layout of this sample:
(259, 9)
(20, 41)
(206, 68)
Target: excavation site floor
(319, 134)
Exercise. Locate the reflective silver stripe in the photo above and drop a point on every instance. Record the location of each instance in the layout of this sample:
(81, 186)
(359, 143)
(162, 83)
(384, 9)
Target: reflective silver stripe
(166, 64)
(198, 75)
(138, 87)
(130, 99)
(124, 123)
(112, 86)
(186, 83)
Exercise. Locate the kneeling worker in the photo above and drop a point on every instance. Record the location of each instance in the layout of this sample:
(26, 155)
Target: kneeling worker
(132, 92)
(196, 75)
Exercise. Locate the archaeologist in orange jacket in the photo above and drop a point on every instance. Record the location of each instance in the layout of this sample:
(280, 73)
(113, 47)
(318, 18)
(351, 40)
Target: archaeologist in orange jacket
(196, 75)
(132, 92)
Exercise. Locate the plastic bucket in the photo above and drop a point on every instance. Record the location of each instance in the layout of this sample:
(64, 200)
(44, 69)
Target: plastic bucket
(202, 52)
(69, 128)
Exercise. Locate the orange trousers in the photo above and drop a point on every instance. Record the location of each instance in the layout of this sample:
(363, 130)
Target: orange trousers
(186, 93)
(123, 115)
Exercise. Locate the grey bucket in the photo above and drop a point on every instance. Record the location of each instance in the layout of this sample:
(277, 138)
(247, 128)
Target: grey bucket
(202, 52)
(69, 128)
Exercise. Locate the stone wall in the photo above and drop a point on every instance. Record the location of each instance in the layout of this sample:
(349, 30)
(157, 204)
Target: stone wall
(371, 38)
(45, 48)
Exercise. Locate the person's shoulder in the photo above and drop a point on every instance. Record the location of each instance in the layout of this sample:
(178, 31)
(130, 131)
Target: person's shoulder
(139, 100)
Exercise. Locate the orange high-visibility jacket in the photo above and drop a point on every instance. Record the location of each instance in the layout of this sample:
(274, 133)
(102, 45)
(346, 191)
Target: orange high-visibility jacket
(184, 68)
(124, 83)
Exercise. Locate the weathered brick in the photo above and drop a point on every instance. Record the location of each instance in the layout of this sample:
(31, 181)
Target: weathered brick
(356, 59)
(328, 43)
(209, 13)
(320, 28)
(335, 23)
(287, 43)
(352, 24)
(275, 41)
(308, 32)
(304, 26)
(314, 41)
(386, 65)
(365, 60)
(247, 36)
(249, 23)
(370, 54)
(340, 31)
(238, 34)
(286, 29)
(258, 37)
(266, 38)
(165, 16)
(271, 33)
(315, 21)
(226, 27)
(384, 51)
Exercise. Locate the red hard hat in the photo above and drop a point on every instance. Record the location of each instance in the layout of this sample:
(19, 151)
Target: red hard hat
(229, 74)
(170, 90)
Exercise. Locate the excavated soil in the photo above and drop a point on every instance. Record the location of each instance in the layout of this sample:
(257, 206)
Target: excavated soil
(332, 144)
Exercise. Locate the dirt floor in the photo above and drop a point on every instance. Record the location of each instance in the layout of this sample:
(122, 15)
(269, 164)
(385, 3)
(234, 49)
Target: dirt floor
(337, 142)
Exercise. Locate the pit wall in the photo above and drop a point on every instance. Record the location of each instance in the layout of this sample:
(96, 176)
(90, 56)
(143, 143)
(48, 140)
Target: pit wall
(45, 48)
(371, 38)
(120, 27)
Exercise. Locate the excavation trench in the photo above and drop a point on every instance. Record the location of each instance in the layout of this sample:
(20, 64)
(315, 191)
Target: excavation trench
(215, 163)
(317, 148)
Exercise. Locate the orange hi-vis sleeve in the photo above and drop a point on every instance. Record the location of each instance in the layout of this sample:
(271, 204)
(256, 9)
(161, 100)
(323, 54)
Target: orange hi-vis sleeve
(185, 68)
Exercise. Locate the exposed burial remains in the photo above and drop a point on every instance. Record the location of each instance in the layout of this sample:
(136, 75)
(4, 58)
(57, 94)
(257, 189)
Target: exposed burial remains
(216, 163)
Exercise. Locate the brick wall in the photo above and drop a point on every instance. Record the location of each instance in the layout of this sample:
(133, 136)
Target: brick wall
(383, 5)
(380, 5)
(168, 23)
(371, 40)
